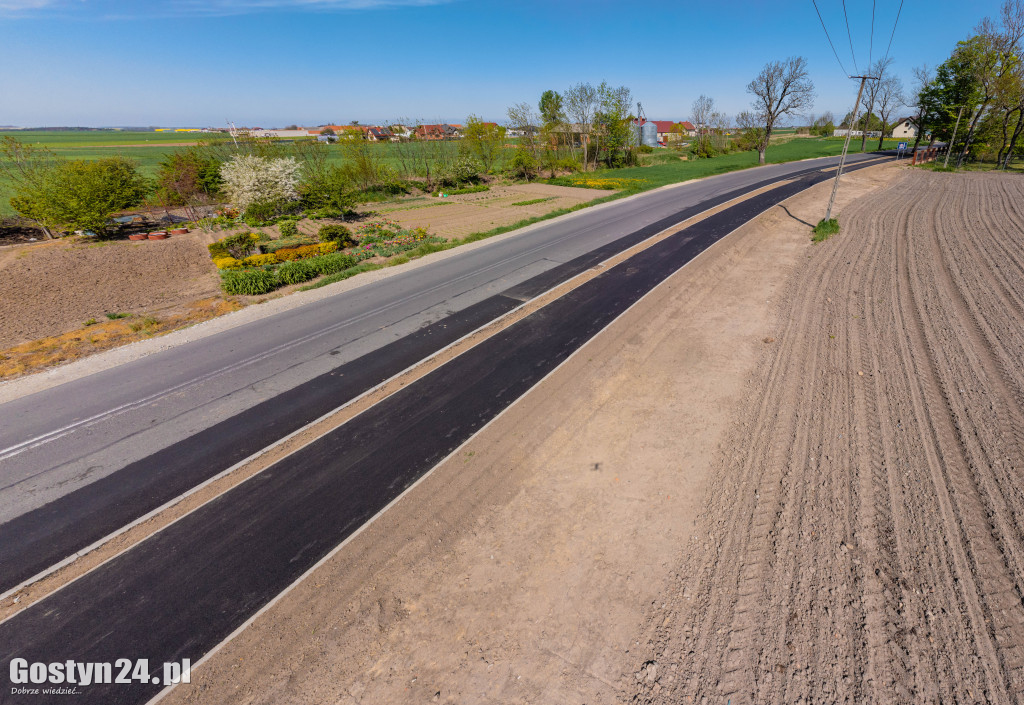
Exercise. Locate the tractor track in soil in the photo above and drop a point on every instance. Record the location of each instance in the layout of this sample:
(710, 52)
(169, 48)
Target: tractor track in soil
(863, 540)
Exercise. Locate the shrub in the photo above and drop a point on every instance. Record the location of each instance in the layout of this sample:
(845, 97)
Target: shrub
(260, 260)
(327, 247)
(465, 170)
(217, 250)
(72, 195)
(333, 263)
(297, 272)
(249, 179)
(523, 165)
(568, 164)
(259, 213)
(240, 245)
(227, 263)
(187, 174)
(288, 228)
(824, 229)
(284, 243)
(293, 253)
(252, 282)
(645, 149)
(337, 233)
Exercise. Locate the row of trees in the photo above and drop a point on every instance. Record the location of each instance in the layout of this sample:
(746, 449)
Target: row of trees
(981, 87)
(585, 125)
(596, 125)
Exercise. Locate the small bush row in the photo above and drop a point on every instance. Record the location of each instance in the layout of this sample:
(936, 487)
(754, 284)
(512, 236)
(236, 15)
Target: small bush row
(255, 282)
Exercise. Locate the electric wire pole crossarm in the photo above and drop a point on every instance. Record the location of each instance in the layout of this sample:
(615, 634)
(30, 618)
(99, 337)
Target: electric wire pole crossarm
(846, 143)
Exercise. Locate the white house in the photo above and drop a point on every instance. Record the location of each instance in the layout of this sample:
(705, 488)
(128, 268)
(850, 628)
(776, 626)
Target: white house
(904, 129)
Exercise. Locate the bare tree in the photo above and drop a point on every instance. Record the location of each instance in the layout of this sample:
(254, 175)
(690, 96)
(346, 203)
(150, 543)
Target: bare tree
(890, 98)
(782, 89)
(581, 105)
(523, 119)
(701, 111)
(880, 71)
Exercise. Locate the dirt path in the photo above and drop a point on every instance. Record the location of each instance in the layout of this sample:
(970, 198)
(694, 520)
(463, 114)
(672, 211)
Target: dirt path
(521, 570)
(864, 541)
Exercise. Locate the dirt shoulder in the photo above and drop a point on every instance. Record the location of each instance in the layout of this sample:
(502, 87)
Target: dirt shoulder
(521, 569)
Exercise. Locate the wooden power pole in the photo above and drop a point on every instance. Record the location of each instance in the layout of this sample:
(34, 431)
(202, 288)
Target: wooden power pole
(846, 144)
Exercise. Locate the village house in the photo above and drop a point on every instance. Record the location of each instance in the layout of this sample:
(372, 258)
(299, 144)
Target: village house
(437, 132)
(904, 129)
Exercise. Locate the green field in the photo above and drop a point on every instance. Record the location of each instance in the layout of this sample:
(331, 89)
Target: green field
(669, 169)
(75, 139)
(661, 168)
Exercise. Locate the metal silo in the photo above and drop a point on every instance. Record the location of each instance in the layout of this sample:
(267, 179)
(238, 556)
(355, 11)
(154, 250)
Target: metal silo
(649, 134)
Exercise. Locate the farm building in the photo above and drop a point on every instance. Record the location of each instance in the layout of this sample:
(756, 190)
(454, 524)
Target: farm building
(669, 131)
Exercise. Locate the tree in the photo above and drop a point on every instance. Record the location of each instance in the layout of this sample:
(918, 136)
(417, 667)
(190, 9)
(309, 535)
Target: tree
(782, 89)
(26, 168)
(65, 196)
(484, 140)
(250, 180)
(523, 119)
(711, 125)
(323, 186)
(616, 124)
(823, 126)
(880, 72)
(752, 132)
(702, 110)
(889, 99)
(580, 106)
(327, 132)
(551, 107)
(924, 111)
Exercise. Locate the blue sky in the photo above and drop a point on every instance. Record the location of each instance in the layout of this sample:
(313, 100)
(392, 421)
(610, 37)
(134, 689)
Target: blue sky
(276, 62)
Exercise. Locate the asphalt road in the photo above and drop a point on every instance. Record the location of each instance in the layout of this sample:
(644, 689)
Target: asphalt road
(185, 589)
(83, 459)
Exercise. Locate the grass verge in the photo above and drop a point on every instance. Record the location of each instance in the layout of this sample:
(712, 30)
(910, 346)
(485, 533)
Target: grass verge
(824, 230)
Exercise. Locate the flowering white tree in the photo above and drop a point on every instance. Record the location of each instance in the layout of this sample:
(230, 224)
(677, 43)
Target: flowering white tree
(249, 179)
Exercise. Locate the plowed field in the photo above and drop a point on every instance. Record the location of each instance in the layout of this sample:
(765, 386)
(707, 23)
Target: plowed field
(864, 537)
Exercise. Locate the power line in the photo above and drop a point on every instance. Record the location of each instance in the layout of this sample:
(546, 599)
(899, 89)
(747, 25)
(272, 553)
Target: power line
(850, 37)
(871, 46)
(894, 25)
(845, 72)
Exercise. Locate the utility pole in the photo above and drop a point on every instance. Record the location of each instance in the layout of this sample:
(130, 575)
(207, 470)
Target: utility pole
(846, 144)
(952, 141)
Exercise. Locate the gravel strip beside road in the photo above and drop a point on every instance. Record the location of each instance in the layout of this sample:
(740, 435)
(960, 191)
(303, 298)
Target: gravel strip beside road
(863, 542)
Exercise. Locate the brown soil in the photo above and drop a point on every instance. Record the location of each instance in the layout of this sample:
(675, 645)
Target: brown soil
(523, 567)
(53, 287)
(458, 216)
(864, 540)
